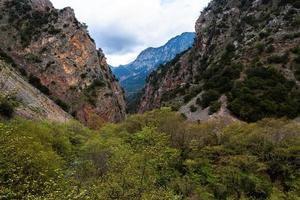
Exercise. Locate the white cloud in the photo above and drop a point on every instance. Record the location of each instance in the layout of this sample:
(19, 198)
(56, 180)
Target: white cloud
(123, 28)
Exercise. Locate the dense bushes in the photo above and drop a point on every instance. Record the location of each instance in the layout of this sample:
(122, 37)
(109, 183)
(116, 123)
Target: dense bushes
(152, 156)
(36, 82)
(264, 93)
(62, 104)
(7, 105)
(208, 97)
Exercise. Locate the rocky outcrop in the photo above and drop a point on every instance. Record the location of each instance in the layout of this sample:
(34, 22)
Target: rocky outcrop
(32, 103)
(57, 55)
(238, 43)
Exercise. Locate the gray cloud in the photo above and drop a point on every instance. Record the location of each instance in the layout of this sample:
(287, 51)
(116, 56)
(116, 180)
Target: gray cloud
(115, 41)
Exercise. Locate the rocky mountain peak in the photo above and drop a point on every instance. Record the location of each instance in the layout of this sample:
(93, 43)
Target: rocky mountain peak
(55, 53)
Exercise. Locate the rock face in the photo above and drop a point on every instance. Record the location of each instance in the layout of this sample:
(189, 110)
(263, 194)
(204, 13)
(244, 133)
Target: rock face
(245, 54)
(132, 76)
(55, 53)
(32, 103)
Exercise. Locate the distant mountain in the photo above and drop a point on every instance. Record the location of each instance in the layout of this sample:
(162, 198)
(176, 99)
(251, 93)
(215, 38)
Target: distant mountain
(132, 76)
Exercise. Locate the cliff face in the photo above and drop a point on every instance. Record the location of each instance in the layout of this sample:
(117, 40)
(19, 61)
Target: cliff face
(32, 103)
(243, 53)
(55, 53)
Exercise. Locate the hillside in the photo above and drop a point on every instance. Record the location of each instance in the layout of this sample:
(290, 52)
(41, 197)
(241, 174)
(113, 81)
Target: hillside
(132, 76)
(56, 54)
(245, 63)
(19, 97)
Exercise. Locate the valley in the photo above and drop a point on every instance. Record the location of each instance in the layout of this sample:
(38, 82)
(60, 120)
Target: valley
(210, 115)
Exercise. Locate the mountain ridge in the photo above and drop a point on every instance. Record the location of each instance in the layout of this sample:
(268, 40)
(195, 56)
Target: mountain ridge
(237, 44)
(133, 75)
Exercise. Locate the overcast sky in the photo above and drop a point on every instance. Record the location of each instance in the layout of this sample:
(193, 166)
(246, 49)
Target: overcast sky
(123, 28)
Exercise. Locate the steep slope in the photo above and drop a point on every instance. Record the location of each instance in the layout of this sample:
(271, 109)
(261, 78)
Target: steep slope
(132, 76)
(245, 60)
(55, 52)
(31, 102)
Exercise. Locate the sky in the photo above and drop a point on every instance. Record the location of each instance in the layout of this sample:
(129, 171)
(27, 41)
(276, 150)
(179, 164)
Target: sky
(123, 28)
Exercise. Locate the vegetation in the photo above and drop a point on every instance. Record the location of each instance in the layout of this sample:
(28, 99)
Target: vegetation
(215, 107)
(278, 58)
(29, 22)
(36, 82)
(264, 93)
(208, 97)
(91, 91)
(8, 103)
(152, 156)
(193, 108)
(62, 104)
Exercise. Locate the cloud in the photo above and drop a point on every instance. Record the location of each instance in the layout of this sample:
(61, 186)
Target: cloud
(123, 28)
(114, 41)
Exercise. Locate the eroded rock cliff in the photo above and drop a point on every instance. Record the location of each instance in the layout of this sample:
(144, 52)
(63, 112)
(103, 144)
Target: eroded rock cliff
(31, 103)
(56, 54)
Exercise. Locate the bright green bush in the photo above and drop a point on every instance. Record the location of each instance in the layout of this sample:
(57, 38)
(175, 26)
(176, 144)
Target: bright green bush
(156, 155)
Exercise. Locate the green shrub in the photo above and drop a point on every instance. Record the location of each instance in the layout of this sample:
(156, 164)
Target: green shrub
(264, 93)
(270, 49)
(62, 104)
(36, 82)
(193, 108)
(208, 97)
(7, 105)
(297, 59)
(7, 58)
(296, 50)
(214, 107)
(260, 47)
(278, 59)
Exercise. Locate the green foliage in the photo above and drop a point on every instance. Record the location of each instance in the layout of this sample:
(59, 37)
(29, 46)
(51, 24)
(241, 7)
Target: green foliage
(221, 77)
(7, 105)
(208, 97)
(215, 107)
(193, 108)
(7, 58)
(295, 3)
(91, 91)
(29, 22)
(156, 156)
(36, 82)
(264, 93)
(278, 58)
(62, 104)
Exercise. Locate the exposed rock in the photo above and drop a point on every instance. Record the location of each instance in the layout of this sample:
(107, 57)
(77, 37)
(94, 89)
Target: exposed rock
(233, 37)
(51, 46)
(33, 104)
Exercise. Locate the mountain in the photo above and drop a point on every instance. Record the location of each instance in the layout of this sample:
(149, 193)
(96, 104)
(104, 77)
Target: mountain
(245, 63)
(132, 76)
(54, 53)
